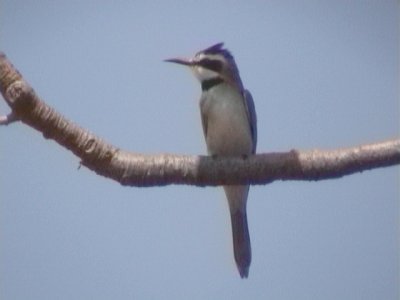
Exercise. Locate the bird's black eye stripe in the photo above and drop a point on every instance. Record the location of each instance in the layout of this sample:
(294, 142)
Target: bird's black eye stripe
(211, 64)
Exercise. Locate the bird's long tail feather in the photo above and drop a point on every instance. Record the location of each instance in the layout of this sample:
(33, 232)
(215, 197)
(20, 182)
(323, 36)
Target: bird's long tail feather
(237, 198)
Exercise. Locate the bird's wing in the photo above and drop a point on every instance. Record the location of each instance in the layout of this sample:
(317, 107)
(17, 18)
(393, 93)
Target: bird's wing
(252, 117)
(203, 115)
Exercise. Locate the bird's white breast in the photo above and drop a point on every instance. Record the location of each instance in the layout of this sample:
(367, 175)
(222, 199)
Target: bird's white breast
(228, 128)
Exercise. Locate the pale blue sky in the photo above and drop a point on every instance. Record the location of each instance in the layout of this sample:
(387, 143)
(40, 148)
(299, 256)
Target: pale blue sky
(323, 74)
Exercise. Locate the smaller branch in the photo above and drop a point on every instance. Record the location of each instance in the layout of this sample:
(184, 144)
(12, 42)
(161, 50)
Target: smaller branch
(7, 119)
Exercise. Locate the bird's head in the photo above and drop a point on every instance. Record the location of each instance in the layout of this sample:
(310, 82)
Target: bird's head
(212, 62)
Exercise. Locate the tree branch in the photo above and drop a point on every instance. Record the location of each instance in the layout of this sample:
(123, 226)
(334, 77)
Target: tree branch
(151, 170)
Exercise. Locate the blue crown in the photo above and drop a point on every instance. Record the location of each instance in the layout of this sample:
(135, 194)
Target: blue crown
(218, 49)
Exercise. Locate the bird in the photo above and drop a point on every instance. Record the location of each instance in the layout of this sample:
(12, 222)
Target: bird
(230, 129)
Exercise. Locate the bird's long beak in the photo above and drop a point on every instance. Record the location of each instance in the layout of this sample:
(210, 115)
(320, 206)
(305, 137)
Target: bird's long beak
(181, 61)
